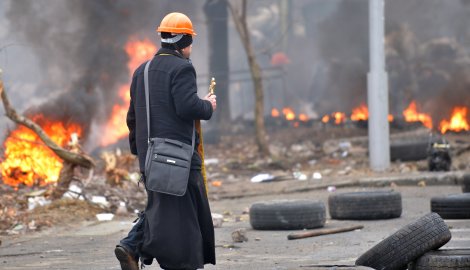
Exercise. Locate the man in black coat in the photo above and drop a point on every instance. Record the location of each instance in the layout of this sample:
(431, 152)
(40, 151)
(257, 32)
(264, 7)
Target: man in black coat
(176, 231)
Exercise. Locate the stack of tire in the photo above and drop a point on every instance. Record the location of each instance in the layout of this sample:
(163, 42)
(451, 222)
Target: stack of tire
(455, 206)
(416, 245)
(443, 260)
(408, 244)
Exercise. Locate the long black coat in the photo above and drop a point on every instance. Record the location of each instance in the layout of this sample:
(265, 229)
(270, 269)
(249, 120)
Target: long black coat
(174, 103)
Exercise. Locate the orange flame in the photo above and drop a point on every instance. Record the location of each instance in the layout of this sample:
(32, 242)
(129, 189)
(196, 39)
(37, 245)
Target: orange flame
(458, 121)
(339, 117)
(28, 160)
(116, 128)
(360, 113)
(288, 113)
(303, 117)
(411, 115)
(275, 112)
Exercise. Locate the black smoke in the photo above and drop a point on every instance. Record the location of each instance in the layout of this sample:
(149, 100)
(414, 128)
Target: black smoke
(80, 47)
(427, 51)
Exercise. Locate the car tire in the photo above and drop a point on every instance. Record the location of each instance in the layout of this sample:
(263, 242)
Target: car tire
(409, 149)
(407, 244)
(369, 205)
(455, 206)
(458, 259)
(287, 215)
(466, 183)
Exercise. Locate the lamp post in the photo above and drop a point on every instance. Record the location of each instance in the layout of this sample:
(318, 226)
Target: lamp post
(377, 92)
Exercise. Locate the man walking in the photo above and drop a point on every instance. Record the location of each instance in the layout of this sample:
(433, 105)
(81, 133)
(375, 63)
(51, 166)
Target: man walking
(177, 231)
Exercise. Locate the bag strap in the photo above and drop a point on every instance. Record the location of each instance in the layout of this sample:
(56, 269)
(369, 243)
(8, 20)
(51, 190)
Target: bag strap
(147, 105)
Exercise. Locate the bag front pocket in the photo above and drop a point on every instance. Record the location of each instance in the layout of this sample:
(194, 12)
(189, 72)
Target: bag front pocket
(168, 175)
(170, 160)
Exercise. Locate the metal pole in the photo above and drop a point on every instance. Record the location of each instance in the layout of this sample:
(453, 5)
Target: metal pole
(377, 93)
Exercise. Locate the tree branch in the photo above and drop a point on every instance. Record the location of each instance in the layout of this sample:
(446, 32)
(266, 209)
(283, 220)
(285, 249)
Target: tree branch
(243, 15)
(74, 158)
(240, 25)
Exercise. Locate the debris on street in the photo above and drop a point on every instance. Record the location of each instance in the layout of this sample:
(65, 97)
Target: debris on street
(319, 232)
(217, 220)
(239, 236)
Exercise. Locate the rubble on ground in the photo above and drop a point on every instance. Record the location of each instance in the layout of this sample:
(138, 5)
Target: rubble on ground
(300, 156)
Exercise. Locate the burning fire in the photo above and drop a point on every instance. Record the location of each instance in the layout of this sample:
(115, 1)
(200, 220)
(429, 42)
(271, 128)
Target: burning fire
(289, 115)
(339, 118)
(411, 115)
(325, 119)
(28, 160)
(275, 113)
(138, 51)
(360, 113)
(458, 121)
(303, 117)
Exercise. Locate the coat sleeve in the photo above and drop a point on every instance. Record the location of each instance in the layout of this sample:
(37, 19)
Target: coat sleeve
(187, 103)
(131, 118)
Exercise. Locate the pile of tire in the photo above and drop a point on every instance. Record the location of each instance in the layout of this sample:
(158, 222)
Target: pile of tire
(443, 260)
(455, 206)
(407, 244)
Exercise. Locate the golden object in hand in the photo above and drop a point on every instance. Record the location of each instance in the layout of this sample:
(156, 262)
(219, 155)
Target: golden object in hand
(212, 86)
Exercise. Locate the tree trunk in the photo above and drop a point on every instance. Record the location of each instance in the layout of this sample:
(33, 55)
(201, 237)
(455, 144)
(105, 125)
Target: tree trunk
(259, 103)
(216, 13)
(65, 178)
(241, 25)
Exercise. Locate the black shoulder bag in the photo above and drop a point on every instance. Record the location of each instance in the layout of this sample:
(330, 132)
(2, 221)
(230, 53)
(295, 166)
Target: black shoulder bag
(168, 161)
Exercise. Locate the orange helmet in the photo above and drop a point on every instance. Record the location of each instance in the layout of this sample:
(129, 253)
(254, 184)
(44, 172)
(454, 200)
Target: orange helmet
(176, 23)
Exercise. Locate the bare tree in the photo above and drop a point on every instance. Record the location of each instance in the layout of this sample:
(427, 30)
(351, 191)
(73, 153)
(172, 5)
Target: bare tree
(239, 18)
(71, 158)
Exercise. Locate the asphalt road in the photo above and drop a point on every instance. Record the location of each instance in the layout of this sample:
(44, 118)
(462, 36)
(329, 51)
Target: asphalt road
(90, 245)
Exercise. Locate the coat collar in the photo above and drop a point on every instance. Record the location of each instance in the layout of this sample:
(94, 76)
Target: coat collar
(169, 51)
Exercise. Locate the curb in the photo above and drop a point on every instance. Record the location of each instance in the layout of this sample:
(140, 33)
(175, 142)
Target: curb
(409, 179)
(430, 178)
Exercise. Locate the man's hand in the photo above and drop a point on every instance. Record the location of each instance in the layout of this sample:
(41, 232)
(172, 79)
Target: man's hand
(212, 99)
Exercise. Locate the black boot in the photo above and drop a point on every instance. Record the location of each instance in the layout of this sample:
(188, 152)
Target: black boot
(126, 258)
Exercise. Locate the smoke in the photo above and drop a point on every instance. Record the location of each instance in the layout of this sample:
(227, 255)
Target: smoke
(79, 46)
(427, 48)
